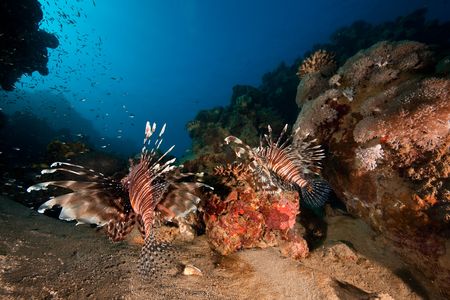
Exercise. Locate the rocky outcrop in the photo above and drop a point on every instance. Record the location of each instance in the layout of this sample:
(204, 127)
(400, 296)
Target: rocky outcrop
(250, 110)
(23, 46)
(385, 121)
(237, 216)
(348, 40)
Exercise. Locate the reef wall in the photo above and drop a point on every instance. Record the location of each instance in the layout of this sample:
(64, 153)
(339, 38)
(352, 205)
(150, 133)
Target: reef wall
(23, 46)
(384, 118)
(252, 108)
(348, 40)
(247, 115)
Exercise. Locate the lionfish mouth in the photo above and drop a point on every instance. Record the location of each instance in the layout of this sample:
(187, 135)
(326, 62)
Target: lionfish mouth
(280, 164)
(154, 185)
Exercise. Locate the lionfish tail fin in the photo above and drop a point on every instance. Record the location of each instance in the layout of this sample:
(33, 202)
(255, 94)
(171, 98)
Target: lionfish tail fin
(315, 193)
(157, 258)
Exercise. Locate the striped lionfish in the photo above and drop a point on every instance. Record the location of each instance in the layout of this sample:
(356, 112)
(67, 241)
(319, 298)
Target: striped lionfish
(284, 165)
(152, 186)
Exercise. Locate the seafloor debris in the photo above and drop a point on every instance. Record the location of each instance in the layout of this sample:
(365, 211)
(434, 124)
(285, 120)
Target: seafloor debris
(190, 270)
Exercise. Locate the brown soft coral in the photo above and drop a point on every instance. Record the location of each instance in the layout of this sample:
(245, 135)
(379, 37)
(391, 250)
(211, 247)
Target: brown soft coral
(414, 122)
(234, 173)
(320, 61)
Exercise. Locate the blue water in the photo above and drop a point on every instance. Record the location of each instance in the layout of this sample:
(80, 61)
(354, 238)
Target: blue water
(121, 63)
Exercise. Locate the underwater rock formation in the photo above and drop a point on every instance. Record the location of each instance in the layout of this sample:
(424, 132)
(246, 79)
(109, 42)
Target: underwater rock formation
(250, 111)
(58, 150)
(251, 108)
(245, 218)
(23, 46)
(385, 121)
(348, 40)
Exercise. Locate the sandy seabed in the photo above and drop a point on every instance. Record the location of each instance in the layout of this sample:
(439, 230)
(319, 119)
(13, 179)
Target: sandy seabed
(44, 258)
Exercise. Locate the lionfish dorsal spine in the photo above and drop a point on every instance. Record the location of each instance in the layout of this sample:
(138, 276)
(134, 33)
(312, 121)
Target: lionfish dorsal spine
(146, 183)
(280, 138)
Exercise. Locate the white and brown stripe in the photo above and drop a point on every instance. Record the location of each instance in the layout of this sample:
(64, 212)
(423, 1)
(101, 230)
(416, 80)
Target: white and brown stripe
(283, 163)
(142, 192)
(279, 164)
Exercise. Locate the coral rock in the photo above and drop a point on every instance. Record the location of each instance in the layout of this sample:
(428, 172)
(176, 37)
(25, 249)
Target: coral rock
(23, 46)
(247, 219)
(389, 149)
(295, 247)
(310, 86)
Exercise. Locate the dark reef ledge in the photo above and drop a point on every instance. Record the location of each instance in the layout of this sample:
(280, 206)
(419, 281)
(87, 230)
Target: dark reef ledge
(23, 46)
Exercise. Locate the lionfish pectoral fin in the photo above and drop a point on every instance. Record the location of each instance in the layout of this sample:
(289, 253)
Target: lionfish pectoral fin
(157, 258)
(73, 185)
(95, 198)
(86, 207)
(181, 200)
(241, 149)
(315, 193)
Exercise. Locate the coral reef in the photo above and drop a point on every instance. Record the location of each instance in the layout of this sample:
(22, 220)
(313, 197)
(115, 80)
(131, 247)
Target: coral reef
(383, 119)
(24, 46)
(348, 40)
(241, 217)
(235, 174)
(247, 116)
(320, 61)
(58, 150)
(389, 147)
(251, 109)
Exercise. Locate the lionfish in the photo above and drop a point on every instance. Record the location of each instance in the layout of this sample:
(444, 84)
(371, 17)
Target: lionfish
(153, 186)
(285, 165)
